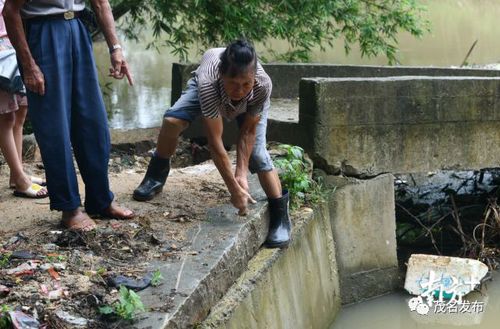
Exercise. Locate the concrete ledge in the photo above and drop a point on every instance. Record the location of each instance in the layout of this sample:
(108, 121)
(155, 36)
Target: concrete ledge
(220, 250)
(362, 217)
(286, 77)
(296, 287)
(137, 141)
(402, 124)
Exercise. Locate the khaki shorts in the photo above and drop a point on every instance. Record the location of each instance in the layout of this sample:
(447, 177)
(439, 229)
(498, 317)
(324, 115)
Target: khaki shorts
(10, 102)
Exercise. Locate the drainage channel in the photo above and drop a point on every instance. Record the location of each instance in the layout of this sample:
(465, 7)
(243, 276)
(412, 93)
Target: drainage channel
(452, 213)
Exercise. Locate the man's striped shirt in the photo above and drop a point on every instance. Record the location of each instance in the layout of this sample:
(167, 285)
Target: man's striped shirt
(213, 99)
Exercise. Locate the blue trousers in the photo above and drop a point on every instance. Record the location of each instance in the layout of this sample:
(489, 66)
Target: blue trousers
(70, 117)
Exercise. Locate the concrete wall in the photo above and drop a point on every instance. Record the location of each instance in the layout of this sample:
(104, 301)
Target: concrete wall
(286, 77)
(363, 223)
(297, 287)
(349, 240)
(401, 124)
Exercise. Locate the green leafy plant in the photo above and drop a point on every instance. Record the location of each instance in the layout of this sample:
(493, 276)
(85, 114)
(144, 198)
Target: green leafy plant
(56, 258)
(4, 259)
(295, 176)
(157, 278)
(5, 322)
(127, 307)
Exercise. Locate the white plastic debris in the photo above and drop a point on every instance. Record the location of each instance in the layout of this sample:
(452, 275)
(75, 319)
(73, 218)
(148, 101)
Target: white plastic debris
(64, 316)
(446, 277)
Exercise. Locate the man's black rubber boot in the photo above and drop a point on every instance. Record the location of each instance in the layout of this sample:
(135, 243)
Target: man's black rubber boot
(280, 226)
(155, 178)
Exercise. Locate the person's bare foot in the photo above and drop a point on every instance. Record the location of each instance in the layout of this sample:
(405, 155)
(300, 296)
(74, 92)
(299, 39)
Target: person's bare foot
(114, 211)
(77, 220)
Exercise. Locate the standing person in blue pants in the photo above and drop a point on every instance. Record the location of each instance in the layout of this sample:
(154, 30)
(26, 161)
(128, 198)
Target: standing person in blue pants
(66, 107)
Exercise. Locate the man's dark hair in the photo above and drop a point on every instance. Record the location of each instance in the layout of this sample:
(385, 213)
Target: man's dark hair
(238, 58)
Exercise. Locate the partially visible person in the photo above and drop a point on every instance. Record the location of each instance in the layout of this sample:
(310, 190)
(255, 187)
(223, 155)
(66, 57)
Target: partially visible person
(13, 110)
(66, 107)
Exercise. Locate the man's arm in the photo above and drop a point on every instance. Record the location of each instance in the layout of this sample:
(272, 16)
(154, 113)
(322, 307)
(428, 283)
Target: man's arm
(239, 197)
(33, 76)
(244, 147)
(105, 19)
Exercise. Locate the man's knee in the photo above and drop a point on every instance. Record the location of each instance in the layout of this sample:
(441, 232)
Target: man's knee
(174, 126)
(175, 123)
(260, 161)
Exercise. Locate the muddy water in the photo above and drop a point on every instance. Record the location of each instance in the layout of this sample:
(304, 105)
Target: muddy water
(456, 24)
(392, 312)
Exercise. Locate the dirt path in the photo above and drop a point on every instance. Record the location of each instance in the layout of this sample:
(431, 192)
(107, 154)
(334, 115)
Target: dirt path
(188, 193)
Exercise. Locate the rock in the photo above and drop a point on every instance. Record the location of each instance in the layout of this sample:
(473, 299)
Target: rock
(447, 277)
(30, 148)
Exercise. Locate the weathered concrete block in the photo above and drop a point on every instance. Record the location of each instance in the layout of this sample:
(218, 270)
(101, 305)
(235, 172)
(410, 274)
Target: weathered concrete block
(441, 273)
(137, 141)
(402, 124)
(297, 287)
(363, 224)
(286, 76)
(31, 152)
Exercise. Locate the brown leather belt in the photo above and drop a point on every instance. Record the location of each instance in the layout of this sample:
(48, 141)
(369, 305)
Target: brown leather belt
(66, 16)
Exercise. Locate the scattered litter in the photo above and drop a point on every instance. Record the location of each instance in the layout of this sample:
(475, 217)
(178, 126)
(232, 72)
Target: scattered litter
(23, 269)
(56, 266)
(50, 247)
(4, 291)
(13, 241)
(23, 254)
(23, 321)
(134, 225)
(72, 320)
(54, 274)
(135, 284)
(56, 294)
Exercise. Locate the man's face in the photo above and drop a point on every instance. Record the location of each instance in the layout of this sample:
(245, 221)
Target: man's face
(239, 86)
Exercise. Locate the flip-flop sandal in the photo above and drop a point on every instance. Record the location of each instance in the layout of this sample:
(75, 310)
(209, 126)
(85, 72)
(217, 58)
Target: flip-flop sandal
(85, 225)
(38, 180)
(34, 180)
(31, 192)
(108, 215)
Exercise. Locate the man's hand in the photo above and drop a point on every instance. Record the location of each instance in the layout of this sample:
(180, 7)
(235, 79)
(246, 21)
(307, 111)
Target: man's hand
(34, 79)
(240, 200)
(119, 67)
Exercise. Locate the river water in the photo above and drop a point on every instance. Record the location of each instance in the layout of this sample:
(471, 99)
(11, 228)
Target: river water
(456, 24)
(392, 312)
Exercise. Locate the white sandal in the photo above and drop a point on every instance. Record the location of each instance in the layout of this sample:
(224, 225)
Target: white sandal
(32, 192)
(34, 180)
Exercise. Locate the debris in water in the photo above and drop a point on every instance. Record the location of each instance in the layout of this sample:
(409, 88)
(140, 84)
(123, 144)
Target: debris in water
(442, 275)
